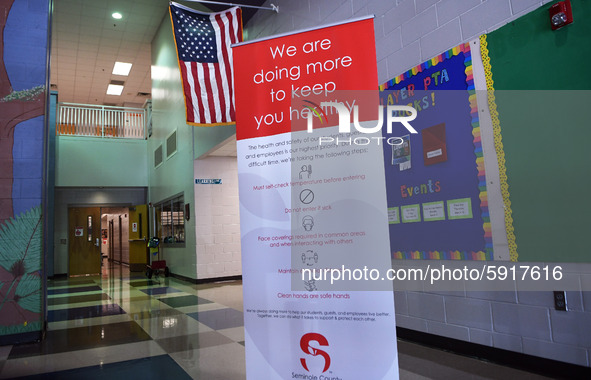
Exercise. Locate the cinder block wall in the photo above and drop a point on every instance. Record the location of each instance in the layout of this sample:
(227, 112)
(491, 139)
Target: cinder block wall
(217, 220)
(407, 33)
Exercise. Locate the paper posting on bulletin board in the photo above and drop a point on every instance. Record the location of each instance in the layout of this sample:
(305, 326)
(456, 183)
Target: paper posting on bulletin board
(442, 195)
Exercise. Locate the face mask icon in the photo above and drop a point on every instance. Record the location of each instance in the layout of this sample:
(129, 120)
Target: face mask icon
(308, 223)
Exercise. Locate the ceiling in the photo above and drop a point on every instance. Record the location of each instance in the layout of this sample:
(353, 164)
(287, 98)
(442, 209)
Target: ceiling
(86, 41)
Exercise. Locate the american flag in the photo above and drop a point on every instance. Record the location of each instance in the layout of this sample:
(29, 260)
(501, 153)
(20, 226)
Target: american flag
(203, 43)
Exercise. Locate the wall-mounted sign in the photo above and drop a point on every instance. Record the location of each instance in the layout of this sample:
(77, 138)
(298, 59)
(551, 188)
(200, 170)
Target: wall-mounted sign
(134, 227)
(79, 231)
(208, 181)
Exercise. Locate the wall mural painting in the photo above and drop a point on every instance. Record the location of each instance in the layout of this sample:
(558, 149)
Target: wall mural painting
(23, 71)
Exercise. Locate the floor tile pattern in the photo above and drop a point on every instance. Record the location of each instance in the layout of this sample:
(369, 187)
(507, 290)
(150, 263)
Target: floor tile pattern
(77, 299)
(84, 312)
(157, 367)
(123, 326)
(118, 326)
(184, 301)
(220, 318)
(159, 291)
(78, 289)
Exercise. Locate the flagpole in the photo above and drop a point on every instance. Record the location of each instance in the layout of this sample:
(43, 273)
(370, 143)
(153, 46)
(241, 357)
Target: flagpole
(274, 7)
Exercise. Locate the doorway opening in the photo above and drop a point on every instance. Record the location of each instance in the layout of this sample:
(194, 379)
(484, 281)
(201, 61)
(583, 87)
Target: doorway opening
(115, 235)
(101, 237)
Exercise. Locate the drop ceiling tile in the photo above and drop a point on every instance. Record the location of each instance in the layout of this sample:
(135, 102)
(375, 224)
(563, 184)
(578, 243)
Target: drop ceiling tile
(66, 8)
(85, 43)
(94, 11)
(134, 37)
(90, 39)
(138, 26)
(88, 48)
(123, 7)
(90, 30)
(66, 66)
(99, 4)
(69, 37)
(110, 22)
(108, 35)
(64, 29)
(65, 53)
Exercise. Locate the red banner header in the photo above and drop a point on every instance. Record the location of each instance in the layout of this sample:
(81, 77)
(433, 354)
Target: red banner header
(272, 74)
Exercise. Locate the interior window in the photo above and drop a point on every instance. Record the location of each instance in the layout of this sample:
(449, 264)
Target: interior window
(170, 219)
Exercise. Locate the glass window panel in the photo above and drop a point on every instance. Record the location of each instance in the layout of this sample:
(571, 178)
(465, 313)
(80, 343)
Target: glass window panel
(89, 228)
(170, 219)
(166, 220)
(178, 220)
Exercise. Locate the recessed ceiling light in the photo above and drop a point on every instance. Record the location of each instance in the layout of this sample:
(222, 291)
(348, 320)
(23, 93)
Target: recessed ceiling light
(121, 68)
(114, 89)
(117, 16)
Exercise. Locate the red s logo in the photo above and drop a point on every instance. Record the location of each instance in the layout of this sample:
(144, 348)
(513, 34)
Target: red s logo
(305, 346)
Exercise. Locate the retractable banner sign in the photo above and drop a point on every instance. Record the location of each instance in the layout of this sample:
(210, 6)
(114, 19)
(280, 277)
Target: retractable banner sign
(313, 212)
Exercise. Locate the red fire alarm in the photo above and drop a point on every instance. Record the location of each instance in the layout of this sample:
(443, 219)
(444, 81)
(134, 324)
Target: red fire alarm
(561, 14)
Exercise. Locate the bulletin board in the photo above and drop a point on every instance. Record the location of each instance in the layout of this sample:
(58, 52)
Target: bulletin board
(435, 179)
(542, 132)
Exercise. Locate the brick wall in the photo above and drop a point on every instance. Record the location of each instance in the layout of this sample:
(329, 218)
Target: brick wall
(217, 221)
(407, 33)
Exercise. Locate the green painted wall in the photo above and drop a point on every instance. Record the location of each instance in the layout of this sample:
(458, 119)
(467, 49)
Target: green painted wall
(175, 174)
(544, 127)
(96, 162)
(207, 138)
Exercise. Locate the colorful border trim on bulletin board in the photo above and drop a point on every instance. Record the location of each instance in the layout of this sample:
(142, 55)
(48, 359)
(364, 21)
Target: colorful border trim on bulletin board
(494, 115)
(463, 48)
(487, 254)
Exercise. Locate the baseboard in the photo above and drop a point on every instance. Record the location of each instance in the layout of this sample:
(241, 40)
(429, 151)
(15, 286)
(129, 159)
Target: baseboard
(33, 336)
(218, 279)
(59, 276)
(534, 364)
(207, 280)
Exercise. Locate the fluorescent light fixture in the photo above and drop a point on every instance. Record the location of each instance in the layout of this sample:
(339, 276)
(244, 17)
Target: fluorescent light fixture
(122, 68)
(117, 16)
(114, 89)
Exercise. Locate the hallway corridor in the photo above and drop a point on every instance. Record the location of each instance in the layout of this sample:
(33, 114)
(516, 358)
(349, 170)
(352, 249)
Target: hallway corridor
(123, 326)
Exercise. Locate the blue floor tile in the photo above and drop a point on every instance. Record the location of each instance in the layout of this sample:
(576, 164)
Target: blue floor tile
(137, 277)
(183, 301)
(219, 319)
(74, 290)
(82, 338)
(138, 284)
(158, 291)
(155, 367)
(83, 312)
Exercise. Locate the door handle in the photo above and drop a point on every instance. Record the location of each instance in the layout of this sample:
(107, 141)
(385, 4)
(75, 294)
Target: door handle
(98, 242)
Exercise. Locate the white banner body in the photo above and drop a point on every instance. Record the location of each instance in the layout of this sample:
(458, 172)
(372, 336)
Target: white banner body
(311, 209)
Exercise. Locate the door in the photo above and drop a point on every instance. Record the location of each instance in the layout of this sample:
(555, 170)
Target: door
(84, 228)
(138, 238)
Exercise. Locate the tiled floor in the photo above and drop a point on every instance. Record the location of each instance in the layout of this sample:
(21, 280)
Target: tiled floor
(122, 326)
